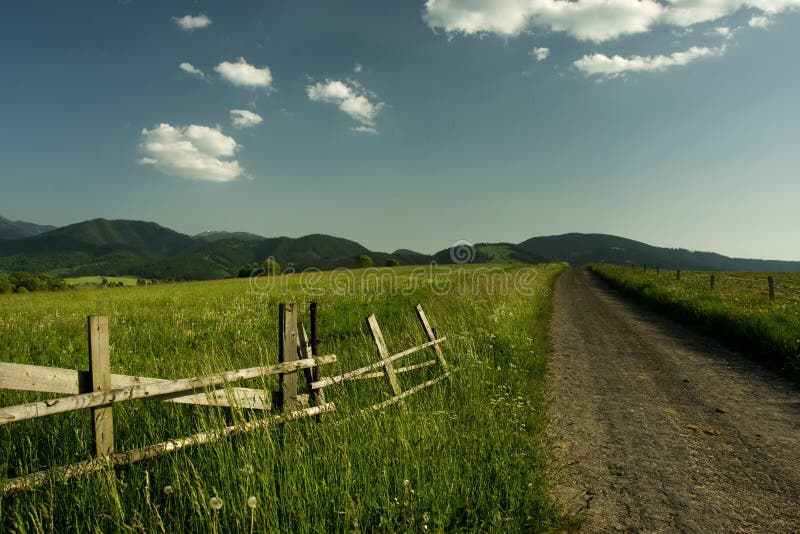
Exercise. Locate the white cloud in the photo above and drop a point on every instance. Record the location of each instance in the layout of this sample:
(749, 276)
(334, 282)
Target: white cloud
(759, 22)
(243, 74)
(585, 20)
(365, 129)
(723, 31)
(612, 67)
(358, 68)
(193, 152)
(191, 69)
(242, 118)
(192, 22)
(540, 53)
(353, 99)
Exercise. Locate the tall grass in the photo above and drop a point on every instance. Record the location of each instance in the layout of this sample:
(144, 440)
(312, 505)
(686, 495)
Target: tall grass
(737, 310)
(468, 456)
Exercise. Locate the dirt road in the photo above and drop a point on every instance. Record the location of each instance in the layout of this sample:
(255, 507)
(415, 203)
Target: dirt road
(659, 429)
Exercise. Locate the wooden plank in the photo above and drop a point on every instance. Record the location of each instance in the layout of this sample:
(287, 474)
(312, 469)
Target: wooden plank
(103, 398)
(312, 373)
(100, 371)
(350, 375)
(407, 393)
(426, 326)
(383, 353)
(61, 474)
(287, 353)
(401, 370)
(24, 377)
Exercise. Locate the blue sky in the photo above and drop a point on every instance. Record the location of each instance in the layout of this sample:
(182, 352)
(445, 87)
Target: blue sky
(410, 124)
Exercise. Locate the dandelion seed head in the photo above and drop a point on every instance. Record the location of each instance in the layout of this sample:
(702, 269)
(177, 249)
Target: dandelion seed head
(406, 482)
(167, 490)
(252, 502)
(215, 503)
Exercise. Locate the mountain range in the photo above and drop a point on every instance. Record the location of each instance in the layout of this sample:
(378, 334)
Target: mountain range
(17, 229)
(146, 249)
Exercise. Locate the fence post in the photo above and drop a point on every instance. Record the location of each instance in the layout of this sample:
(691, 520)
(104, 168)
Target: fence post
(287, 352)
(658, 269)
(100, 370)
(712, 281)
(426, 325)
(771, 283)
(383, 353)
(678, 275)
(645, 267)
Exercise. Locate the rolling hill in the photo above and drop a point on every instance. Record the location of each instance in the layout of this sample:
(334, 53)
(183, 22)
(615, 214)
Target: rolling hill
(122, 247)
(18, 229)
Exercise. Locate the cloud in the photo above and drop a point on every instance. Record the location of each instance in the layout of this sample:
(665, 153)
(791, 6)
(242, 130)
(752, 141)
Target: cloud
(612, 67)
(241, 118)
(585, 20)
(358, 68)
(365, 129)
(192, 22)
(191, 69)
(759, 22)
(192, 152)
(540, 53)
(352, 99)
(243, 74)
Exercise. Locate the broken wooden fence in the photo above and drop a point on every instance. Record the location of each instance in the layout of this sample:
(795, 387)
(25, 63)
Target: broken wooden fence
(386, 364)
(99, 390)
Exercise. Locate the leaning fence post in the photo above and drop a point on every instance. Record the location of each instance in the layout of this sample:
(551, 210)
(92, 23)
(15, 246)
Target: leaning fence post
(771, 283)
(423, 319)
(383, 353)
(287, 352)
(100, 370)
(712, 281)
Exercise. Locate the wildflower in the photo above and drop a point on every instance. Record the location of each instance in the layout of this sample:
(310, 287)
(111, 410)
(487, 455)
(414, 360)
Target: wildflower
(425, 517)
(252, 502)
(406, 482)
(167, 490)
(215, 503)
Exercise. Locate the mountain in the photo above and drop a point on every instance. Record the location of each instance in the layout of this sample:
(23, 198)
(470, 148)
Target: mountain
(213, 235)
(579, 249)
(488, 253)
(121, 247)
(19, 229)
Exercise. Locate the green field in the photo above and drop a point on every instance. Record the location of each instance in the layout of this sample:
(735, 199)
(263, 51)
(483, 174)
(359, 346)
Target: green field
(737, 310)
(97, 280)
(468, 456)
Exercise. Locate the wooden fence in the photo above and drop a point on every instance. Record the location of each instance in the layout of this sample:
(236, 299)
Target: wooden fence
(99, 390)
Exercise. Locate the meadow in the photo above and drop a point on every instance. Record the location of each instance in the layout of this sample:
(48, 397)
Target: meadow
(469, 455)
(737, 310)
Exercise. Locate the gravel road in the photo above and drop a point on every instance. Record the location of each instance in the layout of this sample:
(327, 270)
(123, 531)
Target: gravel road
(656, 428)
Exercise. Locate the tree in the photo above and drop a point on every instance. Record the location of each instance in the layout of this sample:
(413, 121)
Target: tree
(392, 262)
(5, 285)
(363, 261)
(271, 266)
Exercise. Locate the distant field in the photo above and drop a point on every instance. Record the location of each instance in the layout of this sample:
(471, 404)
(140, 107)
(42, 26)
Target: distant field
(467, 457)
(97, 280)
(737, 309)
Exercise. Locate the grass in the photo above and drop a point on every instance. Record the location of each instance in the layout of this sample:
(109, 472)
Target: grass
(737, 310)
(469, 455)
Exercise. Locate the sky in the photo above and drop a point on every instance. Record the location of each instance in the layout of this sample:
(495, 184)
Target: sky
(409, 124)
